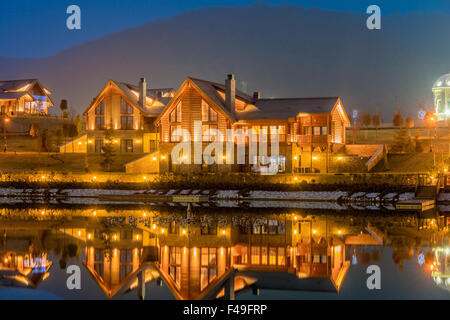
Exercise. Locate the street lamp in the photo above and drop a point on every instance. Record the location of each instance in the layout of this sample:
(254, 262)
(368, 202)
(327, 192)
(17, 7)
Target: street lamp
(5, 122)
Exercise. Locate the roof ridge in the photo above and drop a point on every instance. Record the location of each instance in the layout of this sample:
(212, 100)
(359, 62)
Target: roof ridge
(238, 92)
(19, 80)
(134, 85)
(211, 82)
(312, 98)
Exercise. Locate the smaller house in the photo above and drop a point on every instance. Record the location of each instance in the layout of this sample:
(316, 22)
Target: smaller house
(24, 97)
(130, 111)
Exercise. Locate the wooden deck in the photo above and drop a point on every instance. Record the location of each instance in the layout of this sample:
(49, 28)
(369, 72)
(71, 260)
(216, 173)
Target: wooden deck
(415, 205)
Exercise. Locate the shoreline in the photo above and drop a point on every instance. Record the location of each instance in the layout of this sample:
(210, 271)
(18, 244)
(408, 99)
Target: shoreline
(200, 195)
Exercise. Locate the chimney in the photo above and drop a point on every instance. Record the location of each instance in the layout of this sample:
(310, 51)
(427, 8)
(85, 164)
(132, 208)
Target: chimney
(142, 92)
(256, 95)
(230, 93)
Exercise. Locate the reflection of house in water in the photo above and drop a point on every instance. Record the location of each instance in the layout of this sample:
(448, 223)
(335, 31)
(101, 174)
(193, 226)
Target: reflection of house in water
(206, 262)
(120, 258)
(21, 265)
(212, 259)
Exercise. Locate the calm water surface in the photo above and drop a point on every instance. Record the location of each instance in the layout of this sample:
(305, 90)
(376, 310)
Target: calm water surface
(194, 254)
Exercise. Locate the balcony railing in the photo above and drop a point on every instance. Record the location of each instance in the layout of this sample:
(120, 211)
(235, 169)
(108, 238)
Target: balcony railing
(313, 139)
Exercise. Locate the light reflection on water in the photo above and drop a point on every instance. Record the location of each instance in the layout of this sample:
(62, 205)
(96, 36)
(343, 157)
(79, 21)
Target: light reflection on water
(201, 253)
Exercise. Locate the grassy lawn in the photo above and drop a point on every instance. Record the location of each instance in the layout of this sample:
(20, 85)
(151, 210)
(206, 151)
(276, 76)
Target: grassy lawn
(421, 162)
(20, 143)
(387, 135)
(59, 162)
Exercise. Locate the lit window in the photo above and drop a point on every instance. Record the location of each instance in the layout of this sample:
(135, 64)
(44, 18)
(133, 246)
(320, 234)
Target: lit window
(208, 114)
(126, 122)
(126, 108)
(209, 132)
(175, 115)
(316, 131)
(100, 116)
(126, 145)
(175, 133)
(208, 270)
(100, 109)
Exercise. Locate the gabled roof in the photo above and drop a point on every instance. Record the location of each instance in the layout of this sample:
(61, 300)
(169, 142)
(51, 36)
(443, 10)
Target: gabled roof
(15, 84)
(288, 107)
(262, 109)
(151, 93)
(14, 95)
(11, 86)
(127, 89)
(209, 90)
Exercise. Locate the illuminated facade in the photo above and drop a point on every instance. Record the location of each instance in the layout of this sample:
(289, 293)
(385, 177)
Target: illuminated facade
(441, 93)
(308, 128)
(24, 97)
(122, 107)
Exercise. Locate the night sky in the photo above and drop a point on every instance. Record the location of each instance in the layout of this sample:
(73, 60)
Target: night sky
(30, 28)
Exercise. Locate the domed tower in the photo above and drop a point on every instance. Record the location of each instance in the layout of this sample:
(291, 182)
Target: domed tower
(441, 92)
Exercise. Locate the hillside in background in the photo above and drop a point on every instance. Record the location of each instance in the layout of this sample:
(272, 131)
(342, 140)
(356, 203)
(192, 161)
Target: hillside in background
(282, 51)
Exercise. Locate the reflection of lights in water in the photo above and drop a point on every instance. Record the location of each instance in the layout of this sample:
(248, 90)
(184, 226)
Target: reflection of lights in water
(354, 259)
(421, 259)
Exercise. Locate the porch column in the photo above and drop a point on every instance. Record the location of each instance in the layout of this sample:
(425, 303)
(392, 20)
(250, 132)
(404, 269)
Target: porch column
(141, 285)
(229, 288)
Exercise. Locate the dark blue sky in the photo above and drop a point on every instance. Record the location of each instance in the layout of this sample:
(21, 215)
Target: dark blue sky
(30, 28)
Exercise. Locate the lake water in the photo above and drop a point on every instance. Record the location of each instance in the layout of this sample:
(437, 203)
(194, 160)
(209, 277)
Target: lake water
(210, 252)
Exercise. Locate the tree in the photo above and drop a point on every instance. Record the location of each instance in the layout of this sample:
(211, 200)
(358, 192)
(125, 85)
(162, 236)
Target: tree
(79, 124)
(430, 122)
(108, 150)
(34, 130)
(376, 121)
(43, 141)
(398, 120)
(409, 124)
(402, 142)
(418, 145)
(63, 106)
(58, 137)
(356, 128)
(366, 120)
